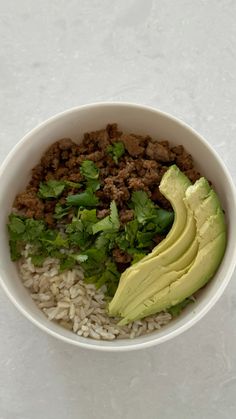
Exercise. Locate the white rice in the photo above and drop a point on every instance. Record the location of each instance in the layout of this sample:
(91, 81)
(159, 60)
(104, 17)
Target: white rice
(77, 306)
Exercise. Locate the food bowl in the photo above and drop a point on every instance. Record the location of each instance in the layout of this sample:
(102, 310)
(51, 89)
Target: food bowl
(15, 172)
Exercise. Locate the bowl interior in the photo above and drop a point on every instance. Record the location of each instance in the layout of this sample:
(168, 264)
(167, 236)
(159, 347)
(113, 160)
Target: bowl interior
(16, 170)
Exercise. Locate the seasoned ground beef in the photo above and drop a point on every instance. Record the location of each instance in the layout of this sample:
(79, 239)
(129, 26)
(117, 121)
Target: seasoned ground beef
(141, 167)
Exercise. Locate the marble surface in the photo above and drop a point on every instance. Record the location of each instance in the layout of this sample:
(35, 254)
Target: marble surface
(178, 55)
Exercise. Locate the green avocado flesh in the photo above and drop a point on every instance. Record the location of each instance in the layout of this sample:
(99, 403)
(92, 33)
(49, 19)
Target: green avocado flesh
(184, 261)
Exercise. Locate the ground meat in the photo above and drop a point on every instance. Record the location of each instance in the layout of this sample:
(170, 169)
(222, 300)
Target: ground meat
(132, 145)
(141, 167)
(74, 177)
(49, 219)
(192, 174)
(95, 156)
(103, 213)
(158, 238)
(160, 199)
(30, 204)
(120, 194)
(160, 152)
(65, 144)
(61, 172)
(112, 130)
(120, 256)
(183, 160)
(136, 184)
(126, 215)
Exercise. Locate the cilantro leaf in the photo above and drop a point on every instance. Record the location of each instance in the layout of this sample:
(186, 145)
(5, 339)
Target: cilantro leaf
(154, 219)
(69, 261)
(131, 230)
(106, 241)
(34, 229)
(137, 257)
(80, 230)
(143, 206)
(91, 173)
(16, 224)
(15, 250)
(94, 264)
(144, 239)
(127, 238)
(54, 239)
(77, 235)
(71, 184)
(61, 211)
(177, 309)
(116, 150)
(109, 277)
(161, 220)
(80, 258)
(46, 242)
(37, 260)
(89, 170)
(88, 218)
(109, 223)
(83, 199)
(51, 189)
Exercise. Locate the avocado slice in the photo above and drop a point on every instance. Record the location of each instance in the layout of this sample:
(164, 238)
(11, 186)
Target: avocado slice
(173, 186)
(204, 267)
(145, 289)
(164, 278)
(137, 280)
(211, 237)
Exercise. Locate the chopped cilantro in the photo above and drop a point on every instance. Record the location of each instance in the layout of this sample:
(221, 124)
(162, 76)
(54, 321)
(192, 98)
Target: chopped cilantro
(61, 211)
(54, 188)
(15, 250)
(16, 225)
(55, 241)
(89, 170)
(109, 276)
(91, 173)
(83, 199)
(177, 309)
(155, 219)
(37, 260)
(46, 242)
(144, 207)
(80, 258)
(80, 230)
(94, 264)
(88, 218)
(71, 184)
(127, 238)
(77, 234)
(51, 189)
(66, 263)
(69, 261)
(109, 223)
(116, 150)
(137, 257)
(144, 239)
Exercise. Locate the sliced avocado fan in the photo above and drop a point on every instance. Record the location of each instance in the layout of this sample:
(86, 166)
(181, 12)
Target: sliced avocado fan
(173, 186)
(175, 271)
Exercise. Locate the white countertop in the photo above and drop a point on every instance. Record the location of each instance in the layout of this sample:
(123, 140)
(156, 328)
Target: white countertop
(177, 55)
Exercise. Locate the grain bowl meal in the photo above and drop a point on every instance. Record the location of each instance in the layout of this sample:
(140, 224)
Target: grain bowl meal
(114, 236)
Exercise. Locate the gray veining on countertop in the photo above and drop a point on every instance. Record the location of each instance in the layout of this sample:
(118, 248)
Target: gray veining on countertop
(177, 55)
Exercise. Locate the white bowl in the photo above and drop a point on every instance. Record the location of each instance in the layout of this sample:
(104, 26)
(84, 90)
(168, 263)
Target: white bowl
(15, 172)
